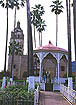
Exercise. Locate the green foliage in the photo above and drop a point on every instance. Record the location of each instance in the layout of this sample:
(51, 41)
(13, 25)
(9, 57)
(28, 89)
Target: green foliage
(36, 85)
(2, 74)
(37, 21)
(56, 7)
(12, 3)
(41, 25)
(17, 48)
(36, 13)
(36, 17)
(17, 92)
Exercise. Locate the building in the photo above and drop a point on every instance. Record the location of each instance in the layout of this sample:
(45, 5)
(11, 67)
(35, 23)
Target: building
(20, 61)
(53, 61)
(49, 60)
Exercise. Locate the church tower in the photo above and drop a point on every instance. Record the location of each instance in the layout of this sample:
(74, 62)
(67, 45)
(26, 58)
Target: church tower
(18, 36)
(20, 61)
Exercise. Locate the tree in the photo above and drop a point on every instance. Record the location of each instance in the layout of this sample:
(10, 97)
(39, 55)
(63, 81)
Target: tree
(29, 40)
(17, 48)
(57, 9)
(4, 78)
(74, 17)
(40, 27)
(69, 37)
(36, 15)
(8, 4)
(33, 21)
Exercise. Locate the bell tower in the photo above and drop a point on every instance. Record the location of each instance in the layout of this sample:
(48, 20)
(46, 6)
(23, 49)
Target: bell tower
(18, 36)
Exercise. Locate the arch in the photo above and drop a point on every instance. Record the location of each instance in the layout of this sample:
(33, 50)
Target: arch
(49, 64)
(35, 54)
(63, 66)
(50, 54)
(36, 62)
(63, 56)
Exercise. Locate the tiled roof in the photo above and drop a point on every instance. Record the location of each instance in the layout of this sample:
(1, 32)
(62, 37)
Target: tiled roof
(50, 46)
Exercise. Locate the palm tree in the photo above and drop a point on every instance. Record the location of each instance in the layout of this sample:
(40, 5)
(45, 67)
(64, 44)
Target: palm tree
(4, 77)
(33, 21)
(57, 9)
(11, 49)
(40, 28)
(11, 5)
(69, 37)
(36, 15)
(29, 40)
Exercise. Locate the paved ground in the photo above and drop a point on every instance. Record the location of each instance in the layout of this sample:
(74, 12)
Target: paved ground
(52, 98)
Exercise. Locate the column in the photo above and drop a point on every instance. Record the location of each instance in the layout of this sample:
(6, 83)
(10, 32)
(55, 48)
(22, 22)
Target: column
(58, 72)
(70, 84)
(31, 85)
(58, 67)
(40, 70)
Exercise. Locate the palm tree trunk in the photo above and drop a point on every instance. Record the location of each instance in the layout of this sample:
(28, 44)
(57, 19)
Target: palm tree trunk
(12, 59)
(56, 29)
(69, 37)
(39, 39)
(74, 18)
(29, 40)
(4, 78)
(34, 37)
(15, 19)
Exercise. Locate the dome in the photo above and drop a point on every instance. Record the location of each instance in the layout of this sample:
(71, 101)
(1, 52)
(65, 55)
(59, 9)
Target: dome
(50, 47)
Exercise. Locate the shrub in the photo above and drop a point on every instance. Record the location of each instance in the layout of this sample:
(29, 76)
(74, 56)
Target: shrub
(17, 93)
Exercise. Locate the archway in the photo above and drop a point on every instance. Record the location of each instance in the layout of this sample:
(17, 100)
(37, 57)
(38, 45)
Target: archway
(49, 65)
(63, 67)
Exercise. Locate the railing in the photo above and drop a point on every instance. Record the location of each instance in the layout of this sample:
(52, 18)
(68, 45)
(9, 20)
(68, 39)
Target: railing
(70, 94)
(36, 96)
(16, 82)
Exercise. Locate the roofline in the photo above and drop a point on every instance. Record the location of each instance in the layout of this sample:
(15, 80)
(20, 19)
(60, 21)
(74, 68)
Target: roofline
(44, 50)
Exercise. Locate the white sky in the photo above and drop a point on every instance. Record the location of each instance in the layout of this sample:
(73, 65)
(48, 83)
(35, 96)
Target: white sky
(48, 34)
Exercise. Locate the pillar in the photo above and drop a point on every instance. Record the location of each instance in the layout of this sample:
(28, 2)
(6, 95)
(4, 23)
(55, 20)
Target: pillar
(58, 72)
(31, 83)
(70, 84)
(40, 70)
(58, 67)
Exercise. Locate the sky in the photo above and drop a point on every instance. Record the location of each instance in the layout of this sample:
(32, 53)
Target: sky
(48, 34)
